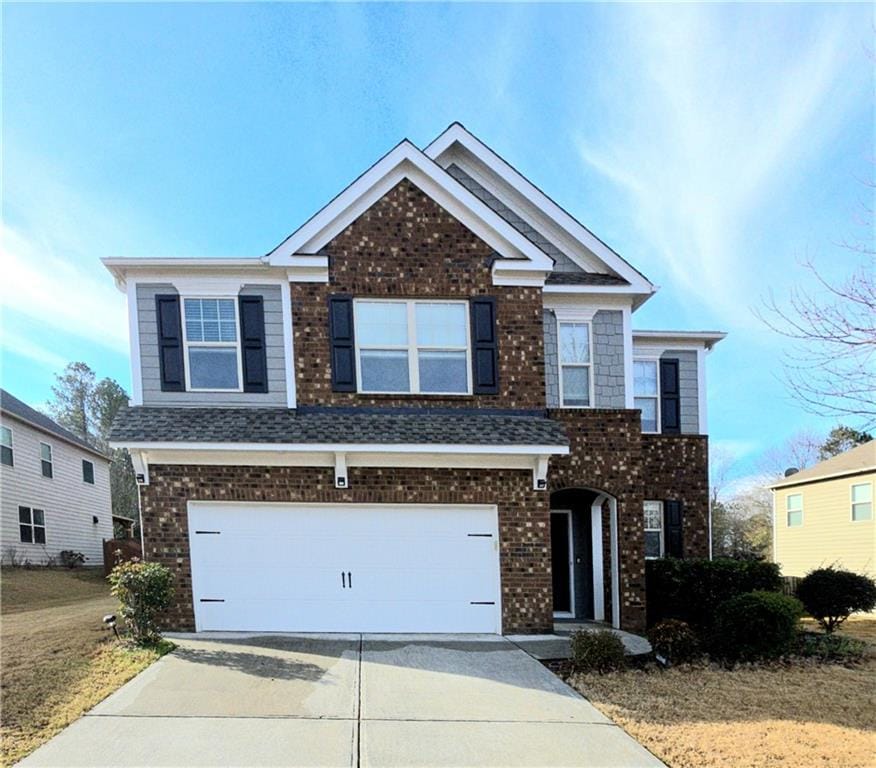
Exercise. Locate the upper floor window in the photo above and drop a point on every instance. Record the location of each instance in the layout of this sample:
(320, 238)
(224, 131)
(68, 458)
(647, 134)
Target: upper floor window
(46, 460)
(794, 508)
(6, 446)
(415, 347)
(862, 501)
(654, 529)
(576, 380)
(646, 389)
(211, 345)
(87, 471)
(31, 525)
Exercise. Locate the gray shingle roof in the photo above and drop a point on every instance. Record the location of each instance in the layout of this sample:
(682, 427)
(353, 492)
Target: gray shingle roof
(333, 425)
(15, 407)
(583, 278)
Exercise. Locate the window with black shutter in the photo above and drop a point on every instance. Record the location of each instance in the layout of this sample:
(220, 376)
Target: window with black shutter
(170, 343)
(674, 525)
(485, 348)
(342, 340)
(670, 397)
(252, 338)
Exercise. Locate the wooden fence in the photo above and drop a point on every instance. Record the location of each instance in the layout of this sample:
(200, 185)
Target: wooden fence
(129, 549)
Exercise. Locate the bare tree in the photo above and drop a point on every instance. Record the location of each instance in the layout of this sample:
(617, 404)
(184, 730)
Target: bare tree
(830, 367)
(799, 451)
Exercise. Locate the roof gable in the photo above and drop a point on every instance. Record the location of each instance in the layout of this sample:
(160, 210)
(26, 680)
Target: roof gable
(859, 459)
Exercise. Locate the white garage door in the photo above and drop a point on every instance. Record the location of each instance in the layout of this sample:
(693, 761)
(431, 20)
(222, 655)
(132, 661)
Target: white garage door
(344, 568)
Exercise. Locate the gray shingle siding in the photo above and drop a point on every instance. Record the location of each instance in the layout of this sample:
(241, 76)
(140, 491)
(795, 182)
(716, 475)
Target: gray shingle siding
(152, 394)
(688, 383)
(562, 263)
(608, 359)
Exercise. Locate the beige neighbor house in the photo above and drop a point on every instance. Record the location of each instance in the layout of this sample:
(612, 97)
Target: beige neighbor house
(824, 515)
(54, 490)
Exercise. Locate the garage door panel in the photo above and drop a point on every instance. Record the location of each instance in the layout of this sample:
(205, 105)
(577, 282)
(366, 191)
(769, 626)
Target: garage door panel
(272, 567)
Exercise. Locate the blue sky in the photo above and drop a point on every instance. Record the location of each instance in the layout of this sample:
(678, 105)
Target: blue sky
(713, 146)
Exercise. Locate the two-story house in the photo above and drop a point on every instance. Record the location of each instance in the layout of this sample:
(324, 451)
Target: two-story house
(54, 489)
(425, 410)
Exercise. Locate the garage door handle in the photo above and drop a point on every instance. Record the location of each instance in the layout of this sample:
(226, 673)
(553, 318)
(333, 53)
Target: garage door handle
(350, 579)
(343, 580)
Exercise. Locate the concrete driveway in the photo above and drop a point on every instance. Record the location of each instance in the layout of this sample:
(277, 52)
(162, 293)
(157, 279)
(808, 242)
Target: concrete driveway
(344, 700)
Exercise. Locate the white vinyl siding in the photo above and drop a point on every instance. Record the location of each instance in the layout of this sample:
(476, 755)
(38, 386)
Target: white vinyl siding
(862, 502)
(68, 504)
(794, 509)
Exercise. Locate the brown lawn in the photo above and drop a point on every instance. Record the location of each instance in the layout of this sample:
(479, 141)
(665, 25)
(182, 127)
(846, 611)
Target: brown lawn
(782, 717)
(56, 659)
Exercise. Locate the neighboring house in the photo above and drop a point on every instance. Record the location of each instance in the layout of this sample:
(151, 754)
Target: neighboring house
(54, 489)
(419, 412)
(823, 515)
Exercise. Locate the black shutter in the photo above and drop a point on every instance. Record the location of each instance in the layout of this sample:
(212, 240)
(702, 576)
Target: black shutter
(670, 402)
(672, 521)
(342, 343)
(170, 344)
(484, 347)
(252, 343)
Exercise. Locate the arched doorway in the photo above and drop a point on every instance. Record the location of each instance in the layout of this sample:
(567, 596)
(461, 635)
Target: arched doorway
(578, 540)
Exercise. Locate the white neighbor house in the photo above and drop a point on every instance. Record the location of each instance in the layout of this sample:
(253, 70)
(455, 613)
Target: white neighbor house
(54, 489)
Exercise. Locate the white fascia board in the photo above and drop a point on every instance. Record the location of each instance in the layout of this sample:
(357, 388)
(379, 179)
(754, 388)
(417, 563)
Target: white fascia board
(163, 270)
(679, 339)
(134, 341)
(590, 301)
(636, 298)
(406, 161)
(349, 448)
(456, 134)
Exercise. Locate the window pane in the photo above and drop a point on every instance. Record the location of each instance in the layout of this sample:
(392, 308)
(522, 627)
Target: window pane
(381, 323)
(213, 368)
(653, 515)
(24, 514)
(39, 535)
(862, 511)
(443, 372)
(210, 320)
(39, 517)
(26, 533)
(47, 468)
(574, 343)
(645, 377)
(862, 492)
(227, 320)
(6, 456)
(193, 319)
(795, 501)
(88, 471)
(648, 406)
(652, 544)
(6, 437)
(45, 452)
(384, 370)
(795, 517)
(441, 325)
(576, 386)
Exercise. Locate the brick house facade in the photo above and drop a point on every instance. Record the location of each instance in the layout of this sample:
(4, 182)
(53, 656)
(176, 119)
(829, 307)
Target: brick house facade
(533, 440)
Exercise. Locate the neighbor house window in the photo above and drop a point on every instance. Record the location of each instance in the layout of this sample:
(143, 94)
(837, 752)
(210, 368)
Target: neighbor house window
(6, 446)
(415, 347)
(46, 459)
(862, 501)
(653, 529)
(794, 507)
(87, 472)
(576, 379)
(32, 525)
(211, 343)
(646, 388)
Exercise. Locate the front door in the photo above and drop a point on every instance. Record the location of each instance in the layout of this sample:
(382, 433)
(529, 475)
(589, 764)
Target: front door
(561, 562)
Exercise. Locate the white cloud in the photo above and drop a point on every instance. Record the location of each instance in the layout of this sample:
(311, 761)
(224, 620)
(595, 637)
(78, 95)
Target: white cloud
(717, 109)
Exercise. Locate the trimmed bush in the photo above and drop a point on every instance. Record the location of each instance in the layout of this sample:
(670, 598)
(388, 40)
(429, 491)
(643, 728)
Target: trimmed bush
(599, 651)
(757, 625)
(691, 590)
(144, 590)
(830, 595)
(674, 641)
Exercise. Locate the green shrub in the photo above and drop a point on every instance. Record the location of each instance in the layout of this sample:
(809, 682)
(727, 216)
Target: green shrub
(144, 590)
(598, 651)
(830, 595)
(691, 590)
(836, 648)
(757, 625)
(674, 641)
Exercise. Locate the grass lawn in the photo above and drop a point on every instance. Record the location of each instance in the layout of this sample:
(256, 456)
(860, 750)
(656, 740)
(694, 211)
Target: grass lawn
(56, 659)
(788, 717)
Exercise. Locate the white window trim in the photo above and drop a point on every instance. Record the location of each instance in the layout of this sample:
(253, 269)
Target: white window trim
(788, 511)
(33, 526)
(412, 348)
(591, 376)
(216, 344)
(655, 398)
(852, 502)
(84, 462)
(51, 460)
(661, 529)
(11, 446)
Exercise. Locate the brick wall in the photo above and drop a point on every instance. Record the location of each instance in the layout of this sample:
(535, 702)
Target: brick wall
(406, 245)
(524, 530)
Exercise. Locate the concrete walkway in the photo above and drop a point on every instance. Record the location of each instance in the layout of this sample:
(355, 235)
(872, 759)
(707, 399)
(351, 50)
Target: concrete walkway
(558, 645)
(344, 700)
